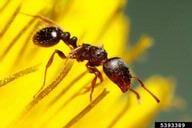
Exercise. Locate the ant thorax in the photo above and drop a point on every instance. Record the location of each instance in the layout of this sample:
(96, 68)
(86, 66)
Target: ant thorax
(94, 55)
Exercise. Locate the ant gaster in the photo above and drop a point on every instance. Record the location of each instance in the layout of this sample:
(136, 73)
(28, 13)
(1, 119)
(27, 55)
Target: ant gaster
(115, 68)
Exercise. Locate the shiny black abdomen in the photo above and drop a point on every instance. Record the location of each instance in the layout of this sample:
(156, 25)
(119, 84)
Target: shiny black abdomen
(47, 37)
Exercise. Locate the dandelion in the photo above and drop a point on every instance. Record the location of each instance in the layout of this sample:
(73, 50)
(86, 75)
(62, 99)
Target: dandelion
(61, 103)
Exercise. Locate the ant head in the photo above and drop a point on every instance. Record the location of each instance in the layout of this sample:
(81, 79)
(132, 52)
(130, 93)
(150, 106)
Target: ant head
(117, 71)
(47, 36)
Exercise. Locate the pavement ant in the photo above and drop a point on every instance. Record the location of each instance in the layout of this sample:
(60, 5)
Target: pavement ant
(115, 68)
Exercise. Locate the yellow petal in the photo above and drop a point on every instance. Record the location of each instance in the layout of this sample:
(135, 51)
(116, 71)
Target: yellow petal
(138, 49)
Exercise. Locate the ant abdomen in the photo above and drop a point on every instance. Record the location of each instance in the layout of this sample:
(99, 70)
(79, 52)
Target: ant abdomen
(117, 71)
(47, 36)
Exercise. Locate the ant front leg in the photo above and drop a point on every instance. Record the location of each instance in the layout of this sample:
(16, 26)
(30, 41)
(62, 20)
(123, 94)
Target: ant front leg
(93, 82)
(50, 61)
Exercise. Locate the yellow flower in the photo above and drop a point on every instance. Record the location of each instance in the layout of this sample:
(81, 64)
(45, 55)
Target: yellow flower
(61, 103)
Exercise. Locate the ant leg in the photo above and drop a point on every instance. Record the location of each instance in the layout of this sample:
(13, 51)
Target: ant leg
(97, 75)
(142, 85)
(136, 93)
(61, 55)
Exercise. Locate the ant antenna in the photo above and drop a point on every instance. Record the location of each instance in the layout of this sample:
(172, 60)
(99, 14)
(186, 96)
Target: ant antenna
(143, 86)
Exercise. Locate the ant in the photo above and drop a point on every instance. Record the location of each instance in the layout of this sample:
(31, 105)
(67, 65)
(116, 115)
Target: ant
(115, 68)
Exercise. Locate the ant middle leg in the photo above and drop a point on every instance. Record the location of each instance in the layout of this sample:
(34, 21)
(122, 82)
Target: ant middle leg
(50, 61)
(93, 82)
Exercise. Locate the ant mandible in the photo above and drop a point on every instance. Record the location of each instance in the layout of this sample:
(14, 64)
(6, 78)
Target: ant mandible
(115, 68)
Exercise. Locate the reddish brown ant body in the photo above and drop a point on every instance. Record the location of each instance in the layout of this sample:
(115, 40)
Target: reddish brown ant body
(115, 68)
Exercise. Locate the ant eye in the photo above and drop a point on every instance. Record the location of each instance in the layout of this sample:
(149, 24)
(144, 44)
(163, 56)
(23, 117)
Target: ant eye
(48, 36)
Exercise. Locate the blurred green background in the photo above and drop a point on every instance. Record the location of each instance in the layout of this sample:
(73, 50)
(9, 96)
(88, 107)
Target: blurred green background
(170, 24)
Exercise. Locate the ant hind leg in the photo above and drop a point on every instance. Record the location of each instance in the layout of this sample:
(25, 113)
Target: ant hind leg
(50, 61)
